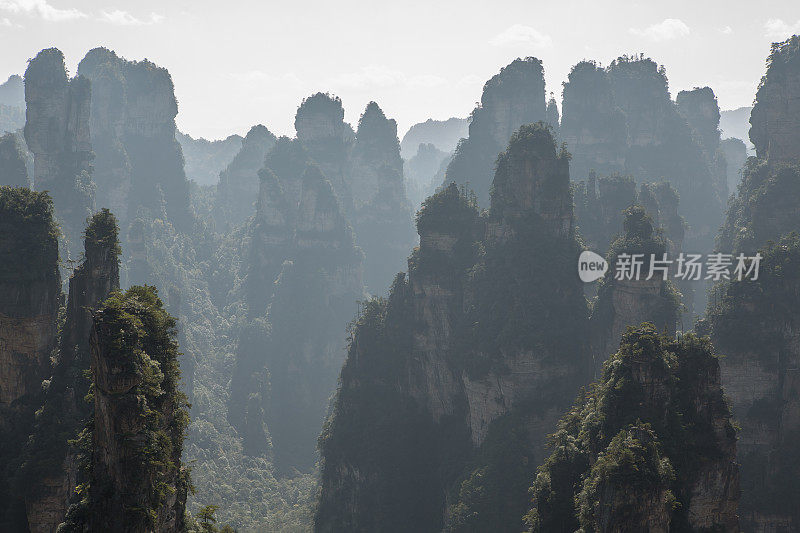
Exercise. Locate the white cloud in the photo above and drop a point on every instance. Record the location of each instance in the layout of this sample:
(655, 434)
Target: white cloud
(522, 35)
(259, 77)
(727, 30)
(123, 18)
(663, 31)
(5, 22)
(42, 9)
(780, 30)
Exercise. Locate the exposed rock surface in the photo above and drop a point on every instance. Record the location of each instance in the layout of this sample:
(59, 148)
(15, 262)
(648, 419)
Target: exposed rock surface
(206, 159)
(304, 269)
(29, 303)
(420, 172)
(443, 134)
(51, 470)
(459, 355)
(653, 432)
(237, 190)
(13, 172)
(511, 98)
(138, 162)
(136, 482)
(625, 302)
(735, 156)
(775, 127)
(381, 215)
(57, 132)
(755, 323)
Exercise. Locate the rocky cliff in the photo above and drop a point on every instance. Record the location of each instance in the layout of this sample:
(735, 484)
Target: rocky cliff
(135, 478)
(57, 132)
(13, 172)
(625, 302)
(774, 128)
(237, 189)
(420, 172)
(381, 214)
(205, 159)
(138, 163)
(29, 306)
(511, 98)
(735, 156)
(51, 470)
(304, 270)
(649, 447)
(443, 134)
(461, 352)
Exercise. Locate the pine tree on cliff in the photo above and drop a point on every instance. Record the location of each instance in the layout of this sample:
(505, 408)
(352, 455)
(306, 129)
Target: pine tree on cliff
(649, 447)
(133, 443)
(50, 472)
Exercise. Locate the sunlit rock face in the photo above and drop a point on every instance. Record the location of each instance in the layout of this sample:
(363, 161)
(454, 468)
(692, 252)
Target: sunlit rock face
(514, 97)
(775, 129)
(57, 132)
(446, 359)
(138, 162)
(237, 190)
(29, 302)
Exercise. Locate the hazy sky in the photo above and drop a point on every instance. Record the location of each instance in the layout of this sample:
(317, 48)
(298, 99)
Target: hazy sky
(236, 63)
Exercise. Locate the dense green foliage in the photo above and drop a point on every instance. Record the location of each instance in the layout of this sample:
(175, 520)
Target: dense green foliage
(660, 381)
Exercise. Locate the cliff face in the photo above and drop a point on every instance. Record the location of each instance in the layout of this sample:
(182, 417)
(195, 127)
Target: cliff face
(136, 482)
(206, 159)
(57, 132)
(13, 172)
(511, 98)
(321, 129)
(139, 163)
(650, 446)
(381, 217)
(755, 322)
(624, 302)
(420, 172)
(305, 270)
(443, 134)
(238, 183)
(30, 289)
(621, 119)
(458, 352)
(735, 156)
(774, 126)
(51, 467)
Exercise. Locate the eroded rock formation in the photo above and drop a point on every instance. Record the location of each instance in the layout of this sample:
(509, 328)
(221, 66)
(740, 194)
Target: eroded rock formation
(514, 97)
(381, 215)
(443, 134)
(29, 303)
(136, 482)
(57, 132)
(13, 172)
(205, 159)
(51, 465)
(138, 162)
(460, 372)
(649, 447)
(237, 190)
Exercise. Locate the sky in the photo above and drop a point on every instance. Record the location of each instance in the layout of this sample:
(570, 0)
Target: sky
(236, 64)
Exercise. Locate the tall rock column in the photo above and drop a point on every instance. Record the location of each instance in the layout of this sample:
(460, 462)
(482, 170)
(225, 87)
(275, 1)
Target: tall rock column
(51, 470)
(30, 290)
(57, 132)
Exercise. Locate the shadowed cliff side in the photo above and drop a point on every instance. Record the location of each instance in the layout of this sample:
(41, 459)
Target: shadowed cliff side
(462, 350)
(50, 473)
(30, 290)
